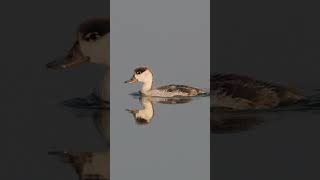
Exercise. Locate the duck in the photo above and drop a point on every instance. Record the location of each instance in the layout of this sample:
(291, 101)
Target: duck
(239, 92)
(92, 45)
(144, 75)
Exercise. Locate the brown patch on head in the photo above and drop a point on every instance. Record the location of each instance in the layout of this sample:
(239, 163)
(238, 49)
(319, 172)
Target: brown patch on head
(140, 70)
(94, 27)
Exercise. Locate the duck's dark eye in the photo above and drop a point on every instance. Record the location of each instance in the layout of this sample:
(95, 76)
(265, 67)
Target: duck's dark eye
(138, 72)
(92, 36)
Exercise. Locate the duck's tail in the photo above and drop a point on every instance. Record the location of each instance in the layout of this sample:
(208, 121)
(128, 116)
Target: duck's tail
(307, 103)
(204, 91)
(312, 101)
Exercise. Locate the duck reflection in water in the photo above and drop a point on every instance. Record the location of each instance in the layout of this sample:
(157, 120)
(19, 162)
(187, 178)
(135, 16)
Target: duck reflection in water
(145, 115)
(223, 121)
(90, 165)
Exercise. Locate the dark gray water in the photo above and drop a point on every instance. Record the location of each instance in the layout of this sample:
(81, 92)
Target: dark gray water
(167, 143)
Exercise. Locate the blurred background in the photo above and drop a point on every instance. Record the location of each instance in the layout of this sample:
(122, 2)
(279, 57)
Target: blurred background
(276, 41)
(32, 121)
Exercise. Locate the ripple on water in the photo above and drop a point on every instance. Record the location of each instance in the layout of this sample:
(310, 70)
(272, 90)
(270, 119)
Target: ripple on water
(93, 101)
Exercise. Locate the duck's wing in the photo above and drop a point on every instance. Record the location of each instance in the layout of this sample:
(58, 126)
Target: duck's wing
(244, 92)
(252, 89)
(179, 88)
(235, 90)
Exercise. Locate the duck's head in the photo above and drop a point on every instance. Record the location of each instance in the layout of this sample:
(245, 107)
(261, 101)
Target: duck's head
(92, 45)
(141, 74)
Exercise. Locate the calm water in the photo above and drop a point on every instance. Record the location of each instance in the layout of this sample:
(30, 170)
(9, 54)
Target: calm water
(273, 144)
(172, 145)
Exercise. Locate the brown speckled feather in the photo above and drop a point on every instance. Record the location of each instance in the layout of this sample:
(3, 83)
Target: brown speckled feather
(251, 93)
(180, 88)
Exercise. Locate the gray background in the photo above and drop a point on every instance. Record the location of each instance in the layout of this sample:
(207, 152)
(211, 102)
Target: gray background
(276, 41)
(173, 38)
(32, 34)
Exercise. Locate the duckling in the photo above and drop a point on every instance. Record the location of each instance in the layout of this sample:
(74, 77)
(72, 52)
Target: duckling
(91, 46)
(238, 92)
(144, 75)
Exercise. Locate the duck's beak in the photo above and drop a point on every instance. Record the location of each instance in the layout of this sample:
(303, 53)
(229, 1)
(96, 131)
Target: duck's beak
(132, 111)
(132, 80)
(73, 59)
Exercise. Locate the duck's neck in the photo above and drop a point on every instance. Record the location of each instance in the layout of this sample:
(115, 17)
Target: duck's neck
(147, 104)
(146, 87)
(147, 111)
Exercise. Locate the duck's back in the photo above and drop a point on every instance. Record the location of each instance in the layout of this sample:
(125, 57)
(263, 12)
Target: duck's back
(172, 90)
(242, 92)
